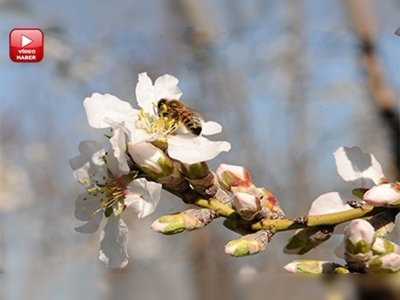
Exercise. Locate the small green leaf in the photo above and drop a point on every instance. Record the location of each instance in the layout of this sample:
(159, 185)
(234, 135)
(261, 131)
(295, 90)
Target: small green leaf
(359, 192)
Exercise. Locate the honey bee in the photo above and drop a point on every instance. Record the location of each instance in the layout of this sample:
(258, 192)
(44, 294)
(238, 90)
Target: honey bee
(180, 113)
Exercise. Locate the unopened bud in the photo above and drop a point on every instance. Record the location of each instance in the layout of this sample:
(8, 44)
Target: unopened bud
(270, 204)
(387, 194)
(389, 263)
(233, 176)
(397, 32)
(201, 178)
(359, 238)
(306, 239)
(315, 267)
(184, 221)
(249, 244)
(246, 205)
(151, 160)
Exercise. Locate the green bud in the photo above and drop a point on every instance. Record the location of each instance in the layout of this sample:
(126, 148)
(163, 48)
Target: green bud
(195, 171)
(188, 220)
(249, 244)
(315, 267)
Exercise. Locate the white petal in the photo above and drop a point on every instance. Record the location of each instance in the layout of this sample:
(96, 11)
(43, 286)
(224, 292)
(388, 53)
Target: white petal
(85, 205)
(116, 157)
(87, 162)
(381, 195)
(143, 196)
(210, 128)
(145, 93)
(166, 86)
(92, 226)
(330, 203)
(90, 162)
(361, 169)
(113, 243)
(139, 136)
(192, 149)
(105, 110)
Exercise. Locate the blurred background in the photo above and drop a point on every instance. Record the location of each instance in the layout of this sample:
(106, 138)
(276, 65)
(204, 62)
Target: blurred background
(290, 81)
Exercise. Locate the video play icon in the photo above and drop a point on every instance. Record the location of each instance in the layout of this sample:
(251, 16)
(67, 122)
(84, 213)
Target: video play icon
(26, 45)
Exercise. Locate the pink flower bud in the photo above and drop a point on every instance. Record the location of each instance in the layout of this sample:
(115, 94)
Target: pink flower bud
(384, 194)
(360, 230)
(246, 205)
(233, 176)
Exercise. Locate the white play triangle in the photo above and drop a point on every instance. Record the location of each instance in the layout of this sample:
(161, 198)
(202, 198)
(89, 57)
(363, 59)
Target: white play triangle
(25, 41)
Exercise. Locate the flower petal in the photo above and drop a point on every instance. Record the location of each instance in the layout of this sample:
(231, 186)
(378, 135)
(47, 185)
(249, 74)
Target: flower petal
(85, 206)
(330, 203)
(143, 196)
(105, 110)
(192, 149)
(166, 86)
(148, 95)
(92, 226)
(113, 243)
(384, 194)
(210, 128)
(90, 162)
(116, 157)
(360, 169)
(145, 93)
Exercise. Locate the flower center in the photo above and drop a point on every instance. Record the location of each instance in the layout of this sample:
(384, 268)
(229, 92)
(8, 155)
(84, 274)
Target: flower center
(154, 124)
(111, 193)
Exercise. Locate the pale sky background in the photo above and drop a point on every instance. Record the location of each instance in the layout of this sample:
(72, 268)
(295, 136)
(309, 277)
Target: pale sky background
(287, 85)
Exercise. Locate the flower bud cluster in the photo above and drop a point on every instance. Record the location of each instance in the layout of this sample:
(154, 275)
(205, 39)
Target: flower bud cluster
(366, 251)
(249, 201)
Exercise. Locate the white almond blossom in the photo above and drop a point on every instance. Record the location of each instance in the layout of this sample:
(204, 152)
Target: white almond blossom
(110, 189)
(360, 169)
(145, 125)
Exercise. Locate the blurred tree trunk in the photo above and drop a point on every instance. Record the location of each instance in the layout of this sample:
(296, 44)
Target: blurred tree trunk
(365, 24)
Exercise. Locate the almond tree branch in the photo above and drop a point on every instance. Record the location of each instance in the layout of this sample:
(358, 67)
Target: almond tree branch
(275, 225)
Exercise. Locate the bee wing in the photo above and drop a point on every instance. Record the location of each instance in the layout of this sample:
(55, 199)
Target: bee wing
(209, 127)
(196, 114)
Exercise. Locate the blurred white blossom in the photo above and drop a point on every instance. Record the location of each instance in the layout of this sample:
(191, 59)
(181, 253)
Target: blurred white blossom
(110, 189)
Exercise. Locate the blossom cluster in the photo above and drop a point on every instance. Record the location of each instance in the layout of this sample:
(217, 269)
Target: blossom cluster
(146, 152)
(364, 248)
(150, 150)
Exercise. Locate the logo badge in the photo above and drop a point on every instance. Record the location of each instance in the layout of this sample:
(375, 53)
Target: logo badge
(26, 45)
